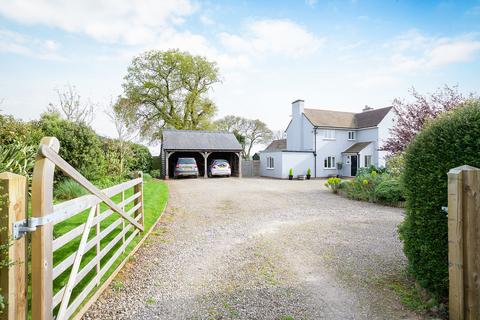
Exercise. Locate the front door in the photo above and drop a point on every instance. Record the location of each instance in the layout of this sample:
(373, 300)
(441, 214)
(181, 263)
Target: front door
(354, 165)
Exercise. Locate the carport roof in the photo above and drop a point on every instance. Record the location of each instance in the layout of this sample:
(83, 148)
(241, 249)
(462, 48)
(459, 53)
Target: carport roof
(199, 140)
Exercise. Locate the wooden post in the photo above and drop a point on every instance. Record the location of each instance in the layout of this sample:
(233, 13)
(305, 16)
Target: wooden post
(13, 207)
(42, 253)
(167, 155)
(464, 242)
(98, 245)
(239, 154)
(139, 188)
(205, 168)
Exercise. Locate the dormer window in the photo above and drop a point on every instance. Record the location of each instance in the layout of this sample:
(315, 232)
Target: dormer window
(351, 135)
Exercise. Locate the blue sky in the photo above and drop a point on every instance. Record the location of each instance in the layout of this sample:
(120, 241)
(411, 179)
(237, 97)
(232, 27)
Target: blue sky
(338, 55)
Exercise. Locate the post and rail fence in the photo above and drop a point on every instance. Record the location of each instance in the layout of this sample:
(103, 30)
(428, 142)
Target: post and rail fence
(62, 279)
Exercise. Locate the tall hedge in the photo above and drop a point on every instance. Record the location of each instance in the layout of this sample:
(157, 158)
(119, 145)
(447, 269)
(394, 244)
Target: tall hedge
(450, 141)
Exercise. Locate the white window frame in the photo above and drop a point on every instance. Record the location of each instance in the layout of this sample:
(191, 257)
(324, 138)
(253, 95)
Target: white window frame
(367, 160)
(270, 163)
(353, 134)
(329, 162)
(328, 134)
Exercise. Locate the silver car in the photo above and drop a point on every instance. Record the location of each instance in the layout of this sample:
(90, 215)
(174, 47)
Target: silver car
(186, 167)
(219, 167)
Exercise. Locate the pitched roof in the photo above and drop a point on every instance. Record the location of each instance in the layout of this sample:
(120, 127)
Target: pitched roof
(357, 147)
(199, 140)
(280, 144)
(339, 119)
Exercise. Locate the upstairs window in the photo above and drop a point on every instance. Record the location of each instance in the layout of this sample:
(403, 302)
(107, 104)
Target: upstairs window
(328, 134)
(270, 163)
(351, 135)
(329, 162)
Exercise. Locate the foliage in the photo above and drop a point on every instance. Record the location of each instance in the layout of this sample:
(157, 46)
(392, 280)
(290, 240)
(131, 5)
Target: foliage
(411, 117)
(155, 173)
(109, 181)
(147, 176)
(290, 172)
(67, 189)
(363, 186)
(309, 172)
(334, 184)
(396, 164)
(79, 144)
(168, 89)
(446, 143)
(247, 131)
(389, 191)
(16, 131)
(17, 158)
(69, 106)
(142, 159)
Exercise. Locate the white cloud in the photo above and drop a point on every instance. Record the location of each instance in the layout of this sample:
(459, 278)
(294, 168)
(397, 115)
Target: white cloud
(414, 51)
(17, 43)
(124, 21)
(311, 3)
(278, 37)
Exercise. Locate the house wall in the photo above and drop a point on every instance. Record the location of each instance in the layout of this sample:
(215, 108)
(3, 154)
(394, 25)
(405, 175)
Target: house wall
(383, 134)
(368, 150)
(295, 130)
(273, 173)
(370, 134)
(328, 147)
(298, 161)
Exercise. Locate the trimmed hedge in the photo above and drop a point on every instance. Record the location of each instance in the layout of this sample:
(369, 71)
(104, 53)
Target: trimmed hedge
(449, 141)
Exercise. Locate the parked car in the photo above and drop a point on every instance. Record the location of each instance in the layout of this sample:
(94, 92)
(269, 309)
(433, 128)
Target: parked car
(186, 167)
(219, 167)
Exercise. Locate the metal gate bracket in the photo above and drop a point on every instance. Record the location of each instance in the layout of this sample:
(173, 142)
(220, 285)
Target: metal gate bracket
(22, 227)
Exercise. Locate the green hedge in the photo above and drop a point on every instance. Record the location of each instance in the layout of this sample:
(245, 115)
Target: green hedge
(449, 141)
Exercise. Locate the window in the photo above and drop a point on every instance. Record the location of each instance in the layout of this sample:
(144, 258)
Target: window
(328, 134)
(351, 135)
(329, 162)
(270, 163)
(368, 161)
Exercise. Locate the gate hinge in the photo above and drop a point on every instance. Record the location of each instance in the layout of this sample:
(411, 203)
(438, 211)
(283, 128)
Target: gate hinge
(22, 227)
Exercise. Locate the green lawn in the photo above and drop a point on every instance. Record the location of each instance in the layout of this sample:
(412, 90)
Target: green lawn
(155, 198)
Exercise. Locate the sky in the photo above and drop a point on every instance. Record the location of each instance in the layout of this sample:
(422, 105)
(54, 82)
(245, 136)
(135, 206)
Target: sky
(338, 55)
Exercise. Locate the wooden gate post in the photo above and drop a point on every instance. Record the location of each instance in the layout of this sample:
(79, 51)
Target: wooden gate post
(13, 207)
(139, 188)
(464, 242)
(42, 238)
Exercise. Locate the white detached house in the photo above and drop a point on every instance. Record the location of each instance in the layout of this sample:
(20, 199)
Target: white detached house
(323, 139)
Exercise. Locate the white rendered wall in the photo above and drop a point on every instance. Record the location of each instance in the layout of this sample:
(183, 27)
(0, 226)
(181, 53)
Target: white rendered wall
(277, 171)
(298, 161)
(383, 134)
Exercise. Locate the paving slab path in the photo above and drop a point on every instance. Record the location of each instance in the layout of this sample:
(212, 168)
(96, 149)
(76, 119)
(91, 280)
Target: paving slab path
(251, 248)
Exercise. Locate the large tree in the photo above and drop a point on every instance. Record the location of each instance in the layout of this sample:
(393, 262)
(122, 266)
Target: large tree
(412, 116)
(248, 132)
(168, 89)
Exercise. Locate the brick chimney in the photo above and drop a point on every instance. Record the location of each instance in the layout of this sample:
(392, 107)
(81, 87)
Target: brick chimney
(297, 107)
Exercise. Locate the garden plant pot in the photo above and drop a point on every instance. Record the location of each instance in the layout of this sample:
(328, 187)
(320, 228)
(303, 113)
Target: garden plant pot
(308, 177)
(290, 177)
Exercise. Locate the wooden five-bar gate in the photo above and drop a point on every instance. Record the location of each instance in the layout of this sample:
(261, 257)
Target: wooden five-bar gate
(74, 243)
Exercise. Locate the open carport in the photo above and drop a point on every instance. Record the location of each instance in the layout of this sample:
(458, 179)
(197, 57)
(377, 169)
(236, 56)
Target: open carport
(204, 146)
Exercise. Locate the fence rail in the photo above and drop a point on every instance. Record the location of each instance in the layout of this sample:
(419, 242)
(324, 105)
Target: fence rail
(74, 243)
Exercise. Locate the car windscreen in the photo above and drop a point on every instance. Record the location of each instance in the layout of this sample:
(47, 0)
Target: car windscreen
(186, 161)
(220, 162)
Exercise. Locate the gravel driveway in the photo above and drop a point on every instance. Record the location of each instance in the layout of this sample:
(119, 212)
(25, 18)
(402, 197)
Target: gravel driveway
(262, 249)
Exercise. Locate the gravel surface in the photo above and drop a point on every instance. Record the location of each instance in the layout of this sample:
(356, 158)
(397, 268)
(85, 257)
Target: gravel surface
(262, 249)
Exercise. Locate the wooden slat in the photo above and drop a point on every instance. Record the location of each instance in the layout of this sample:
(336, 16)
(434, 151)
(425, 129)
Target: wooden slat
(77, 176)
(77, 231)
(72, 207)
(455, 244)
(81, 297)
(76, 266)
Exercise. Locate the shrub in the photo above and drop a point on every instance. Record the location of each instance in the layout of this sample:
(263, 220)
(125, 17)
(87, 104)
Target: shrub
(290, 172)
(389, 191)
(67, 189)
(17, 158)
(334, 184)
(79, 144)
(445, 143)
(142, 159)
(155, 173)
(309, 172)
(109, 181)
(395, 165)
(147, 176)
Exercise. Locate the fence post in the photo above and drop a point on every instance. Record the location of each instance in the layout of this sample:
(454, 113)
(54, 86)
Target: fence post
(42, 253)
(139, 188)
(463, 242)
(13, 207)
